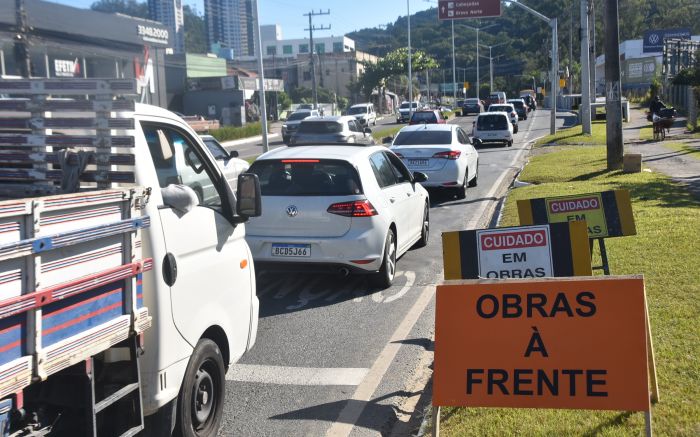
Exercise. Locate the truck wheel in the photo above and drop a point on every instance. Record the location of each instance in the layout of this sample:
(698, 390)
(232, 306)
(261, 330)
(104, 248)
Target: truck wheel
(385, 276)
(201, 400)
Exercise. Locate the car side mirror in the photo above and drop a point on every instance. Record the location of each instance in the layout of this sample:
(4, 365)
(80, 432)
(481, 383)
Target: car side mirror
(233, 154)
(387, 140)
(248, 196)
(367, 131)
(419, 176)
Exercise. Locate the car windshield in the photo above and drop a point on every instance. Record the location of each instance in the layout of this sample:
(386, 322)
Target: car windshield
(418, 137)
(500, 108)
(357, 110)
(424, 116)
(471, 101)
(296, 116)
(492, 122)
(215, 148)
(306, 177)
(320, 127)
(406, 105)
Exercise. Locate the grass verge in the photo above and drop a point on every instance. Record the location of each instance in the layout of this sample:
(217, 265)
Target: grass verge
(386, 132)
(229, 133)
(573, 135)
(684, 148)
(666, 252)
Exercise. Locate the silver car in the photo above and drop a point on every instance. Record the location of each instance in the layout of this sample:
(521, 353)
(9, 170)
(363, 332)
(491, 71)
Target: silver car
(292, 123)
(331, 130)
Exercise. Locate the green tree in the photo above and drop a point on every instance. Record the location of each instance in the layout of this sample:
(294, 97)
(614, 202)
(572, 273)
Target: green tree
(195, 31)
(394, 63)
(127, 7)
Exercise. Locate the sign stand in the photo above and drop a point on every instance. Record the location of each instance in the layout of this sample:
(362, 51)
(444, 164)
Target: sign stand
(647, 423)
(436, 422)
(603, 255)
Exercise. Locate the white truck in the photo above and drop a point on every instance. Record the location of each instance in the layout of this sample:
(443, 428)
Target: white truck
(125, 294)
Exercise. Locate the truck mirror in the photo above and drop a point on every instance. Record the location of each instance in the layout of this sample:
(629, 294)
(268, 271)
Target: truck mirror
(248, 196)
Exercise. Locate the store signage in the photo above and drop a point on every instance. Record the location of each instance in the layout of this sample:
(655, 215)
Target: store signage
(454, 10)
(65, 68)
(654, 39)
(152, 34)
(564, 343)
(558, 249)
(608, 214)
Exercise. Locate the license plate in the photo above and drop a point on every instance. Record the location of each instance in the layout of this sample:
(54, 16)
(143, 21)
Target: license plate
(418, 162)
(291, 250)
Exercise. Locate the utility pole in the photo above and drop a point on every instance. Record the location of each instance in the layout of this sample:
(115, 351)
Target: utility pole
(591, 23)
(261, 74)
(311, 28)
(454, 69)
(491, 58)
(410, 72)
(21, 45)
(585, 72)
(613, 101)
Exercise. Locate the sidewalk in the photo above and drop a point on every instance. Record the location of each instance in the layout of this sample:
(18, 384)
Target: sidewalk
(677, 164)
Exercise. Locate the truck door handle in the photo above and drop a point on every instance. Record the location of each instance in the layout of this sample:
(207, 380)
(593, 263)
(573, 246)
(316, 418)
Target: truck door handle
(169, 269)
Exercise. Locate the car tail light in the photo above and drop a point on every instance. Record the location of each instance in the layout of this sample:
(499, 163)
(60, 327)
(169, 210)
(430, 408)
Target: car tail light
(356, 208)
(513, 114)
(452, 154)
(398, 154)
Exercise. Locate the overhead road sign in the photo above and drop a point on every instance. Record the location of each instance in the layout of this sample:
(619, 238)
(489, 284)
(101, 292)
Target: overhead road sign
(608, 214)
(559, 343)
(456, 10)
(558, 249)
(654, 39)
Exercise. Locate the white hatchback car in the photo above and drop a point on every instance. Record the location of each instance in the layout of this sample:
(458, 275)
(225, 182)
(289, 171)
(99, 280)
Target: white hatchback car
(509, 109)
(338, 208)
(492, 127)
(441, 151)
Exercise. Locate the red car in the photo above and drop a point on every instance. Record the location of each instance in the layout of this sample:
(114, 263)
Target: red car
(429, 117)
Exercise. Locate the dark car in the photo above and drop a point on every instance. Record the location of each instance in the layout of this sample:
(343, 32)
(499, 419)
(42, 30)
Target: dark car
(472, 106)
(520, 107)
(529, 101)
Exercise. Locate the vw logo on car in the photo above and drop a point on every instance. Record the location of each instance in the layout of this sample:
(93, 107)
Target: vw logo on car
(292, 211)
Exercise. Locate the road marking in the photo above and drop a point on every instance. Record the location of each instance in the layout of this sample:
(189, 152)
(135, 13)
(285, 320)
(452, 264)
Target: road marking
(351, 412)
(296, 375)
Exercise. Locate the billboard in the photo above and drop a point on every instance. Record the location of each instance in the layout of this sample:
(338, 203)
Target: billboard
(639, 71)
(654, 39)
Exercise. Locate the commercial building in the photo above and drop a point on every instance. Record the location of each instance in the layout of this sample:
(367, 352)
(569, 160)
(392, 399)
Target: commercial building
(169, 12)
(71, 42)
(274, 45)
(230, 25)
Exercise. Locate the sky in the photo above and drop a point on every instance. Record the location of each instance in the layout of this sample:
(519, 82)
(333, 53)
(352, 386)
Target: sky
(346, 15)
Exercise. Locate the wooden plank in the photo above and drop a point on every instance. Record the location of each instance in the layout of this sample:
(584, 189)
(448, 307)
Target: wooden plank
(19, 140)
(68, 87)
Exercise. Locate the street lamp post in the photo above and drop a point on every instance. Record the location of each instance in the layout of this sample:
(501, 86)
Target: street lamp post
(261, 74)
(410, 73)
(491, 63)
(477, 52)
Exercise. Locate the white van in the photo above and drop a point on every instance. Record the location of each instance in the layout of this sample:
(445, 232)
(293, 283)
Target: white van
(364, 113)
(492, 127)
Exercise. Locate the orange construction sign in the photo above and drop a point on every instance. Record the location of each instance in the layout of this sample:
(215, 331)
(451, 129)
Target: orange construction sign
(545, 343)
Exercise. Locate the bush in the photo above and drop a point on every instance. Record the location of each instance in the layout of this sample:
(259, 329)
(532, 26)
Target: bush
(229, 133)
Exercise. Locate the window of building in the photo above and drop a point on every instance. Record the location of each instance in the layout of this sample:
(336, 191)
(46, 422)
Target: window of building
(321, 48)
(303, 48)
(287, 49)
(337, 47)
(271, 50)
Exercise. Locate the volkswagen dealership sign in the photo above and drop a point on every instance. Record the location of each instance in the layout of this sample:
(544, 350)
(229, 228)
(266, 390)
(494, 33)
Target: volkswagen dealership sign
(654, 39)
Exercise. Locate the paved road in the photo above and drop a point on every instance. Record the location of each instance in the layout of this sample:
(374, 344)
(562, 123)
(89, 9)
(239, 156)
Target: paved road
(336, 357)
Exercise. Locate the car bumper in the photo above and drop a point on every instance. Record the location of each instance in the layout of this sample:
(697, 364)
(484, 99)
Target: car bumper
(447, 176)
(327, 253)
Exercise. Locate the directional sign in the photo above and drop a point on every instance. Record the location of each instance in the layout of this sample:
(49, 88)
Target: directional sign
(608, 214)
(455, 10)
(559, 343)
(559, 249)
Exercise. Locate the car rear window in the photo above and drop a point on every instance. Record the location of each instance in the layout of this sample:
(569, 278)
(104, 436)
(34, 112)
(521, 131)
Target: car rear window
(500, 108)
(357, 110)
(518, 104)
(306, 177)
(418, 137)
(320, 127)
(296, 116)
(424, 116)
(492, 122)
(471, 101)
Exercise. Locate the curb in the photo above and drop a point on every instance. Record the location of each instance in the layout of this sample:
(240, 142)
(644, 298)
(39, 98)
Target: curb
(247, 140)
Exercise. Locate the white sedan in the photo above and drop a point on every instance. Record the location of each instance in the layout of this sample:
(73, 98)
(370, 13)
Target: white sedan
(231, 165)
(443, 152)
(337, 208)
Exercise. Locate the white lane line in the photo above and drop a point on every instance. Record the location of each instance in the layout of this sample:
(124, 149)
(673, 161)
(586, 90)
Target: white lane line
(295, 375)
(351, 412)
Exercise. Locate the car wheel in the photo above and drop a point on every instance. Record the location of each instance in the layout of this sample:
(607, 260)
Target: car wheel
(385, 276)
(201, 400)
(462, 190)
(509, 143)
(475, 179)
(525, 118)
(515, 129)
(425, 228)
(374, 123)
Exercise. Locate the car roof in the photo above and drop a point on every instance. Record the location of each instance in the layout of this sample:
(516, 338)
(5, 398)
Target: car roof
(429, 126)
(337, 118)
(483, 114)
(349, 153)
(359, 105)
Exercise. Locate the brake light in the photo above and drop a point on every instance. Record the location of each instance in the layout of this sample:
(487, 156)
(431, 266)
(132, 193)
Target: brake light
(513, 114)
(297, 161)
(452, 154)
(356, 208)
